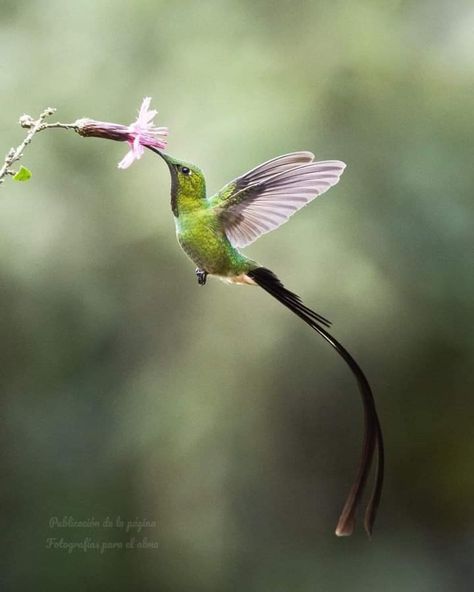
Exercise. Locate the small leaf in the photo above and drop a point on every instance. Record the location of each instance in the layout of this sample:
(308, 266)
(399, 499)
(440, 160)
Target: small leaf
(23, 174)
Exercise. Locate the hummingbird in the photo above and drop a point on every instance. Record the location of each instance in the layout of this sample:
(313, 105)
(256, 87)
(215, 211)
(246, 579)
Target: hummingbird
(211, 231)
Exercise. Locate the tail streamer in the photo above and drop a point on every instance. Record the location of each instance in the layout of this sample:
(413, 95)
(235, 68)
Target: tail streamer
(373, 439)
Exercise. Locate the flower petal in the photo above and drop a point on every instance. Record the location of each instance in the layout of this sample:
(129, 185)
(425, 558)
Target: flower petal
(145, 115)
(127, 160)
(142, 132)
(137, 147)
(144, 106)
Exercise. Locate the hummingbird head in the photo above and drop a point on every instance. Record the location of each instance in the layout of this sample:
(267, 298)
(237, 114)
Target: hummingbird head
(186, 179)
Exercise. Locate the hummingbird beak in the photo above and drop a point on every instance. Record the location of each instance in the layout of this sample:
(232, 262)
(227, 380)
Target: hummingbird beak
(174, 177)
(170, 161)
(156, 151)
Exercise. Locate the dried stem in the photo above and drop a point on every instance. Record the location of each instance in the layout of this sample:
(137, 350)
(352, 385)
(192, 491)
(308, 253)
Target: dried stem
(35, 126)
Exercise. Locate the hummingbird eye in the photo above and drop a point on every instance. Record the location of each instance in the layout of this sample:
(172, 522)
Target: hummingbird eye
(185, 170)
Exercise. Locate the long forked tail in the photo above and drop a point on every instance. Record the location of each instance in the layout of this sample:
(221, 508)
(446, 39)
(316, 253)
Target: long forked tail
(373, 440)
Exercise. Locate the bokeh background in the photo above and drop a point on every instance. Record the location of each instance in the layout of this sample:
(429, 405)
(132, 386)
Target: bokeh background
(128, 391)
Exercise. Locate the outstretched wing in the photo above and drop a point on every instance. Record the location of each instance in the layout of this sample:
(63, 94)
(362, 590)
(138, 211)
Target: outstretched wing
(261, 173)
(264, 198)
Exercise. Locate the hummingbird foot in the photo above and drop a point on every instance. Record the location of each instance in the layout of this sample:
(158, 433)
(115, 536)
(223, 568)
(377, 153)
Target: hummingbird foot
(201, 276)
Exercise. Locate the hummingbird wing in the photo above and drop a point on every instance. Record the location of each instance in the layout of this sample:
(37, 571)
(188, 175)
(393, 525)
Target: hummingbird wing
(264, 198)
(262, 172)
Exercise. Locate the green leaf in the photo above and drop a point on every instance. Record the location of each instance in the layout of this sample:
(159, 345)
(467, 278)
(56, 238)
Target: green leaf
(23, 174)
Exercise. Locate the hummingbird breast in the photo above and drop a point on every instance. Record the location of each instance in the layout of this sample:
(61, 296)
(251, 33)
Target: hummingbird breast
(207, 245)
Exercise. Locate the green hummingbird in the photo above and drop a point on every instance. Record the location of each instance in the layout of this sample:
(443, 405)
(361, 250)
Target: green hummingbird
(211, 230)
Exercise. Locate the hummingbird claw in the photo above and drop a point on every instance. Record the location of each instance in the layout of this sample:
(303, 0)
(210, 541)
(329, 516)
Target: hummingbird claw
(201, 276)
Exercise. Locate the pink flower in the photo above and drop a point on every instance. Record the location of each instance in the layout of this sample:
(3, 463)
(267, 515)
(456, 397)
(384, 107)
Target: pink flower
(142, 132)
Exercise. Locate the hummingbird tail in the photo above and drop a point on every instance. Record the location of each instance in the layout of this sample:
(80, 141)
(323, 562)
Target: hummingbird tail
(373, 439)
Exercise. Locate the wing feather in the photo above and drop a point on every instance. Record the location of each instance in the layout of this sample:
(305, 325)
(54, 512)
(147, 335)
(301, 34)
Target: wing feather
(271, 193)
(261, 173)
(274, 166)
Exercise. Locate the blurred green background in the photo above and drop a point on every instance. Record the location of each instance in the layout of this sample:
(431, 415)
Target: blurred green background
(128, 391)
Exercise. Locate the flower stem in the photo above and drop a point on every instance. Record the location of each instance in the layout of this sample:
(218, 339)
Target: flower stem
(14, 154)
(34, 126)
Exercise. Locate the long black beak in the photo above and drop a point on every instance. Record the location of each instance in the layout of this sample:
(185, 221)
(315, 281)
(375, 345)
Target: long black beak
(174, 178)
(156, 151)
